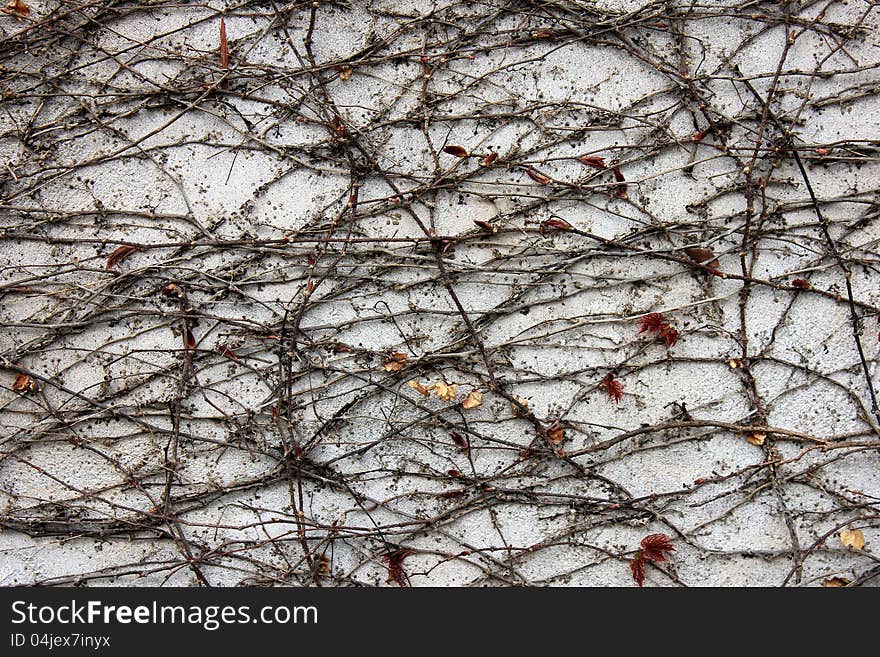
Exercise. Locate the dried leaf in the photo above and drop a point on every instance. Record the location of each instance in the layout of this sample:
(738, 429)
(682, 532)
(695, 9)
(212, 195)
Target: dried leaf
(699, 136)
(395, 565)
(593, 161)
(637, 566)
(655, 547)
(756, 437)
(444, 391)
(345, 73)
(189, 340)
(418, 387)
(837, 582)
(702, 256)
(619, 190)
(555, 224)
(734, 363)
(489, 159)
(544, 34)
(226, 351)
(457, 151)
(555, 434)
(173, 290)
(395, 362)
(517, 411)
(824, 151)
(458, 439)
(669, 335)
(485, 225)
(23, 383)
(538, 177)
(224, 53)
(852, 538)
(119, 255)
(801, 284)
(473, 400)
(613, 388)
(17, 8)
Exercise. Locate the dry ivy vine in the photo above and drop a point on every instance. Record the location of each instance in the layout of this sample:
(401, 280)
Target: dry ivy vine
(469, 293)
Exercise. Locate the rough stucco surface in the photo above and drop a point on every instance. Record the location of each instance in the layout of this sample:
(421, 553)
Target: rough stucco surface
(290, 199)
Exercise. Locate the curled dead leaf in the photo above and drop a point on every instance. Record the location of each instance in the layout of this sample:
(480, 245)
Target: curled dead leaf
(837, 582)
(23, 384)
(852, 538)
(457, 151)
(555, 434)
(119, 255)
(473, 400)
(520, 409)
(702, 256)
(445, 391)
(593, 161)
(620, 188)
(538, 177)
(345, 73)
(489, 159)
(555, 224)
(418, 387)
(395, 362)
(226, 351)
(486, 226)
(17, 8)
(756, 437)
(734, 363)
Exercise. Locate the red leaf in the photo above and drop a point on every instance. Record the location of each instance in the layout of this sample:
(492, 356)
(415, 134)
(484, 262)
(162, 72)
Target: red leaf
(226, 351)
(801, 283)
(699, 136)
(544, 34)
(394, 560)
(120, 254)
(669, 335)
(637, 566)
(538, 177)
(593, 161)
(654, 547)
(652, 323)
(613, 388)
(555, 224)
(458, 439)
(485, 225)
(457, 151)
(619, 190)
(489, 159)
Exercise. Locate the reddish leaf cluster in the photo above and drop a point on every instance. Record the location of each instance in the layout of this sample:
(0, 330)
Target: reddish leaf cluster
(653, 548)
(613, 388)
(394, 560)
(801, 283)
(656, 323)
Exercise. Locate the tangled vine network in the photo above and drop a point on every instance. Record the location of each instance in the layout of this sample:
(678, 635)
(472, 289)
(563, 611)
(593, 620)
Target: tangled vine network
(380, 292)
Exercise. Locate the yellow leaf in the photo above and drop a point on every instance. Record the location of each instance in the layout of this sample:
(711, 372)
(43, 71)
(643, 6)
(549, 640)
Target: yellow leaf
(444, 391)
(756, 437)
(852, 538)
(517, 412)
(418, 387)
(473, 400)
(837, 582)
(345, 73)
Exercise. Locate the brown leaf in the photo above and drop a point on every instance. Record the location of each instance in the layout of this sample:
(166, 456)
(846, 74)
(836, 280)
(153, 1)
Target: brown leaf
(323, 565)
(756, 437)
(189, 340)
(457, 151)
(473, 400)
(801, 283)
(118, 255)
(17, 8)
(418, 387)
(619, 190)
(445, 391)
(458, 439)
(345, 73)
(489, 159)
(538, 177)
(852, 538)
(702, 256)
(823, 151)
(226, 351)
(23, 383)
(555, 224)
(555, 434)
(394, 560)
(224, 52)
(544, 34)
(395, 362)
(593, 161)
(485, 225)
(516, 410)
(837, 582)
